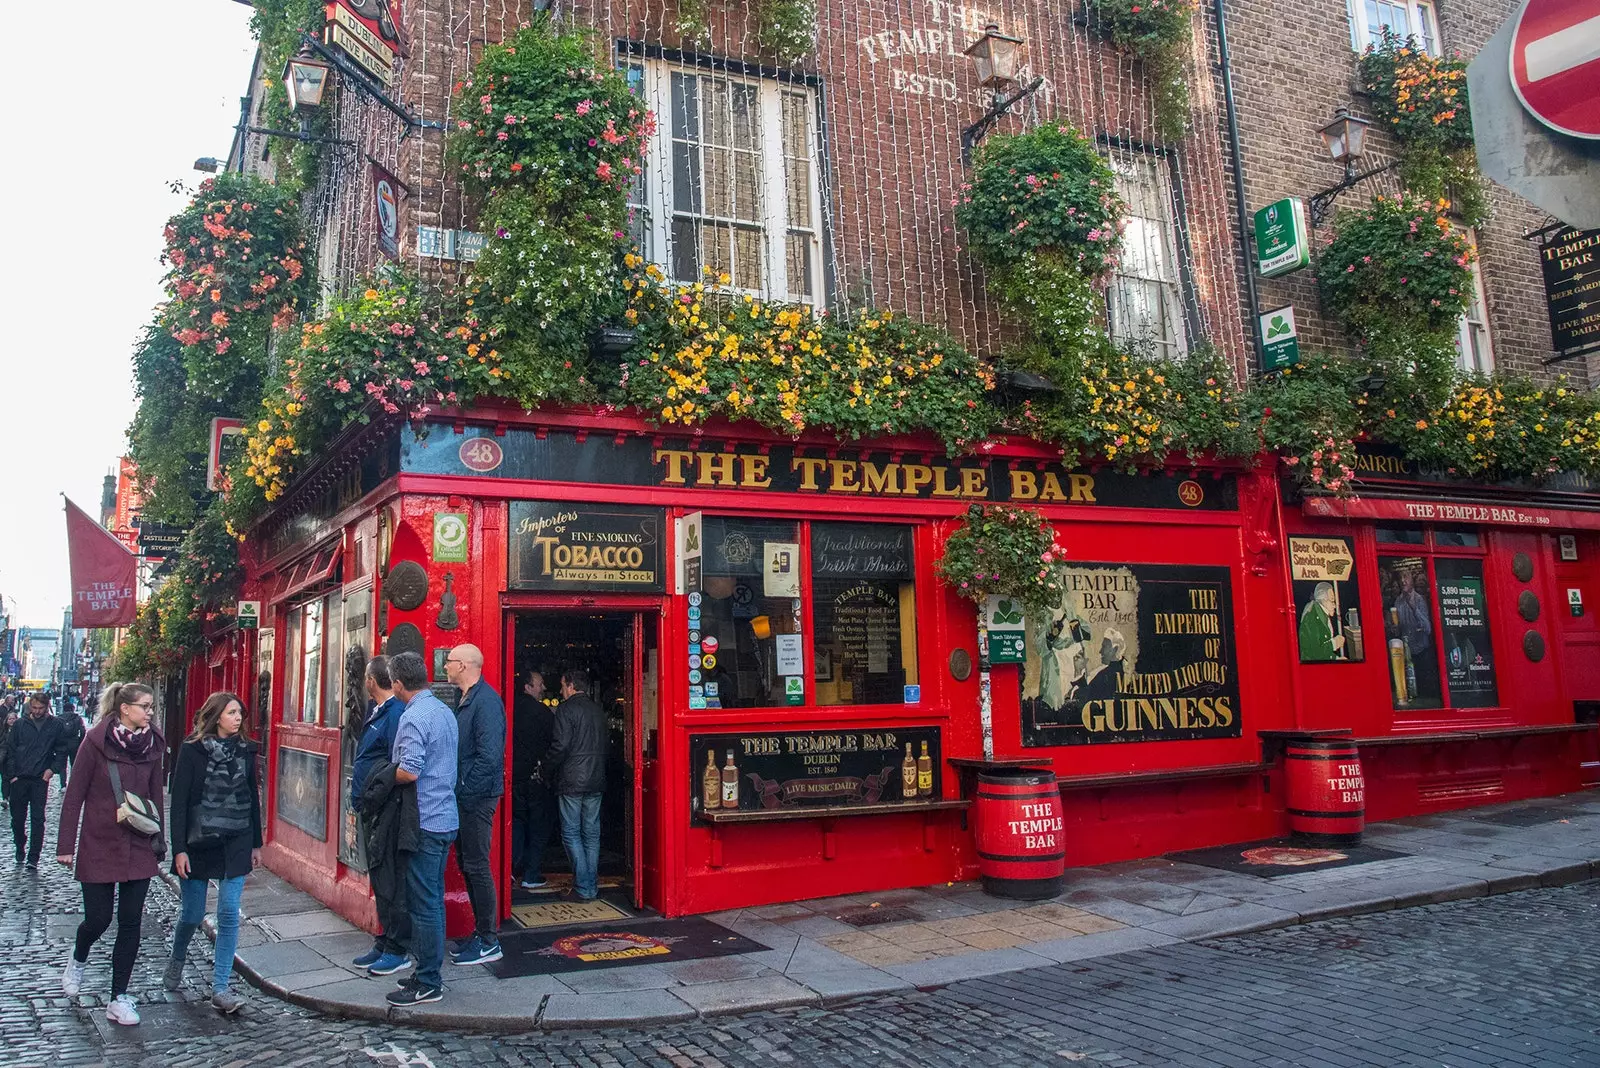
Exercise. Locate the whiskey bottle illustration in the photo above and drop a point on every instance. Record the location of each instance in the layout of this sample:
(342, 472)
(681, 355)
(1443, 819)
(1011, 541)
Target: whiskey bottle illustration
(711, 783)
(730, 783)
(925, 773)
(908, 775)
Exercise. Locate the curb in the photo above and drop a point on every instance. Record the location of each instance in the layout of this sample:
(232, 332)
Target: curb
(438, 1017)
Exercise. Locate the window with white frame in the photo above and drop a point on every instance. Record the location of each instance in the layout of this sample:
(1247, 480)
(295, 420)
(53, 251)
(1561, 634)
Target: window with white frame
(731, 182)
(1473, 348)
(1402, 18)
(1144, 305)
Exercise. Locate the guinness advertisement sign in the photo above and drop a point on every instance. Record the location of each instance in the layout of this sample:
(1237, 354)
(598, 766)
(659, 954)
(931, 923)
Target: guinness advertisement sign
(570, 546)
(1132, 653)
(681, 464)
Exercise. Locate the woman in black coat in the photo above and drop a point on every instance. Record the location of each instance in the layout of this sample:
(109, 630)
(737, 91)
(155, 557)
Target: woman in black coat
(216, 834)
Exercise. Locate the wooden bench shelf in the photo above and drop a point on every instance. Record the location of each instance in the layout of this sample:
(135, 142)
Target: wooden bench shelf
(1485, 735)
(979, 764)
(1139, 778)
(822, 812)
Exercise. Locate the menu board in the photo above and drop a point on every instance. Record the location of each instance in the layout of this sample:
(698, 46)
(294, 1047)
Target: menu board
(866, 549)
(754, 771)
(1464, 620)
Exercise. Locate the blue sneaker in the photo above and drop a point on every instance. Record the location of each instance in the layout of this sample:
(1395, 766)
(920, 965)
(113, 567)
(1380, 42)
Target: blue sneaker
(477, 951)
(388, 964)
(369, 958)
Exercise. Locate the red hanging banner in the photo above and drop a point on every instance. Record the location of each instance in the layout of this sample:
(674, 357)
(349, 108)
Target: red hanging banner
(104, 574)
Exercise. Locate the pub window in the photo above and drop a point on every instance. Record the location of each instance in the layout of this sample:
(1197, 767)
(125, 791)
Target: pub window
(732, 181)
(1436, 619)
(1474, 353)
(749, 613)
(293, 641)
(1143, 301)
(1371, 19)
(863, 610)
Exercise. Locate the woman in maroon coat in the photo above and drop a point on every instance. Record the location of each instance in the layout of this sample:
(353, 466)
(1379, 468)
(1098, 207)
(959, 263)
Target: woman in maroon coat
(113, 862)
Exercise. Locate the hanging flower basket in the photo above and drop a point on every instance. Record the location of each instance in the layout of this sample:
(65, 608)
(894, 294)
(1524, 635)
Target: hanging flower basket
(1003, 551)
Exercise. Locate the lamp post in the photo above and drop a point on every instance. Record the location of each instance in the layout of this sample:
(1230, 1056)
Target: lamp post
(998, 60)
(1346, 140)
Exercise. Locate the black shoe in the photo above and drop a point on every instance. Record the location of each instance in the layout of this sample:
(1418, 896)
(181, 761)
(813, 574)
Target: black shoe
(33, 866)
(416, 995)
(406, 982)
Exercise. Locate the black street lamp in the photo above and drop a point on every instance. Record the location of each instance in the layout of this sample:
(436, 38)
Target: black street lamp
(1346, 141)
(998, 59)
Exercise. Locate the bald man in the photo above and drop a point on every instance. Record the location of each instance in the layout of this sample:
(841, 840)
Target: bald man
(480, 780)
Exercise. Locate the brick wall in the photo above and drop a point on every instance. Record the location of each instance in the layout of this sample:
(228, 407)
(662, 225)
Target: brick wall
(1293, 64)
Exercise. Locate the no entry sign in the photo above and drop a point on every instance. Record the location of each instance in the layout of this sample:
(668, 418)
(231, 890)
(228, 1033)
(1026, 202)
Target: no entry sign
(1555, 64)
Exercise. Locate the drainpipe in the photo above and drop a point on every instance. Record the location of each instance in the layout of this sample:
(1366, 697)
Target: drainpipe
(1240, 204)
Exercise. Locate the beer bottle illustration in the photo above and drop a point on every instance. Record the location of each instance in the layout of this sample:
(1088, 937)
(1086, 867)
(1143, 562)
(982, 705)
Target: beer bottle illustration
(908, 775)
(730, 783)
(711, 783)
(925, 773)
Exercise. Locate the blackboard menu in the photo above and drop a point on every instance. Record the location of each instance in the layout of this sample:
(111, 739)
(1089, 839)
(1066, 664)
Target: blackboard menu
(1464, 620)
(870, 550)
(755, 771)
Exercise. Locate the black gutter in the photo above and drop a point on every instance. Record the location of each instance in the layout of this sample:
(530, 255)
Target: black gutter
(1238, 181)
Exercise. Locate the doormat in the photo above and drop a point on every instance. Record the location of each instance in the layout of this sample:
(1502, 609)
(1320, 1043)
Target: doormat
(563, 913)
(1281, 856)
(617, 945)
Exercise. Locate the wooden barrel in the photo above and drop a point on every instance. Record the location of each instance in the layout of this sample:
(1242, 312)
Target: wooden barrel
(1021, 845)
(1327, 795)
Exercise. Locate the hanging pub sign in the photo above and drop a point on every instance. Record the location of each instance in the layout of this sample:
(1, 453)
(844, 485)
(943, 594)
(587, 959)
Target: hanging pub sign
(666, 463)
(1327, 600)
(1281, 242)
(577, 547)
(367, 32)
(1571, 261)
(1008, 630)
(386, 211)
(1132, 653)
(1280, 339)
(762, 771)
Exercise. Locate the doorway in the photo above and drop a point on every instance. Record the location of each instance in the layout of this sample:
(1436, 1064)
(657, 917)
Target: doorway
(617, 649)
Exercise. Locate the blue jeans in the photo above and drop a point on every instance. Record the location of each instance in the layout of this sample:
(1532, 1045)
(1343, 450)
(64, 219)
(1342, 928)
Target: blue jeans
(580, 833)
(425, 891)
(193, 913)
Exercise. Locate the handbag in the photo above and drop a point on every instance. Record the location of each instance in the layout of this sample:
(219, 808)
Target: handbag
(135, 813)
(203, 830)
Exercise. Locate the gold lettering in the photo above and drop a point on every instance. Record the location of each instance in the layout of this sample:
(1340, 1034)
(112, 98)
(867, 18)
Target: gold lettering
(916, 476)
(1082, 488)
(974, 482)
(876, 480)
(675, 460)
(755, 472)
(809, 467)
(1052, 488)
(716, 469)
(844, 477)
(941, 485)
(1024, 486)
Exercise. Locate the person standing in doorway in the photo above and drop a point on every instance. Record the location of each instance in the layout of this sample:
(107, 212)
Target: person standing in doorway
(425, 748)
(216, 834)
(34, 751)
(480, 782)
(533, 804)
(576, 770)
(121, 755)
(389, 949)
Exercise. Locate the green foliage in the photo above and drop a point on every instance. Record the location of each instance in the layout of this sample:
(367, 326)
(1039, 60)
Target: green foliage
(279, 26)
(1394, 268)
(1004, 551)
(786, 28)
(1159, 32)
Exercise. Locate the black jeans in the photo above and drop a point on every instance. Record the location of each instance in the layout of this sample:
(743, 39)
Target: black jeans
(27, 813)
(394, 916)
(97, 917)
(472, 857)
(533, 827)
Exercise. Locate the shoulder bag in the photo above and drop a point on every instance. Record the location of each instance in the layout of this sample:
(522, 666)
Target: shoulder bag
(137, 814)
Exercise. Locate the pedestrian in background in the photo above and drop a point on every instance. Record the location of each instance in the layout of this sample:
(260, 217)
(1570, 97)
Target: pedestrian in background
(72, 732)
(216, 834)
(119, 772)
(480, 783)
(34, 751)
(533, 804)
(389, 949)
(576, 767)
(425, 753)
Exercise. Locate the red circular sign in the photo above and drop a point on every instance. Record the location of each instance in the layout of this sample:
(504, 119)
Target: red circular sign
(481, 454)
(1555, 64)
(1191, 493)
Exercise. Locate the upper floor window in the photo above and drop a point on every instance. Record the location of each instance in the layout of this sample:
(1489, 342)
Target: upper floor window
(1474, 351)
(1145, 308)
(1369, 19)
(731, 181)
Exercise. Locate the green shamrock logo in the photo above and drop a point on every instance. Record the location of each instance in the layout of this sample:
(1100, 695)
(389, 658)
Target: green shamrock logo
(1006, 612)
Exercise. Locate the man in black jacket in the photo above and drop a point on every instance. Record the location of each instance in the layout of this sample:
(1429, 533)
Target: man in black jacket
(480, 781)
(33, 752)
(72, 732)
(533, 805)
(576, 766)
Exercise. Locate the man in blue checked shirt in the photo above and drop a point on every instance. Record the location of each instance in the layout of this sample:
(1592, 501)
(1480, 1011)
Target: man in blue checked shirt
(425, 753)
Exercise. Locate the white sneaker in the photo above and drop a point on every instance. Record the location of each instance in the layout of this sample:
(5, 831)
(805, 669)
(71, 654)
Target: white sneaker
(121, 1011)
(72, 978)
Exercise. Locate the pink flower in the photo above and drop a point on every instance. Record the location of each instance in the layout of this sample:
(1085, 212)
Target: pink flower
(510, 120)
(502, 136)
(584, 106)
(603, 171)
(343, 385)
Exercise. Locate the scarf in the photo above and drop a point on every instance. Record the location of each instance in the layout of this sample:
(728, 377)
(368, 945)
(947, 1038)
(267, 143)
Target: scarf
(225, 798)
(134, 743)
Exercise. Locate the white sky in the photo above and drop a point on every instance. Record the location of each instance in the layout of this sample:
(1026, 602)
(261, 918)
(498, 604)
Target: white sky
(107, 102)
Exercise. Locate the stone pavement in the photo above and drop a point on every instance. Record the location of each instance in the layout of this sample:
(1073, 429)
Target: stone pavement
(829, 951)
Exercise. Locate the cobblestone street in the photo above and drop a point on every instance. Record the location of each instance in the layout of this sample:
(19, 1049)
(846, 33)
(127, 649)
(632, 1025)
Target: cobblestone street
(1508, 980)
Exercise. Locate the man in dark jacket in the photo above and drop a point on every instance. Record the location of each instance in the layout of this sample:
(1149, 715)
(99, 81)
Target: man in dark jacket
(533, 804)
(576, 767)
(72, 732)
(388, 952)
(480, 781)
(33, 752)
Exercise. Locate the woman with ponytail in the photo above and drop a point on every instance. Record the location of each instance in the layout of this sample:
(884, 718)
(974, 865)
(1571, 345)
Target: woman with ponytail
(119, 771)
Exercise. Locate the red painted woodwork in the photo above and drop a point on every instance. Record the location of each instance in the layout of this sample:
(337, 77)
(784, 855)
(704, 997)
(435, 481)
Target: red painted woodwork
(1021, 842)
(1326, 791)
